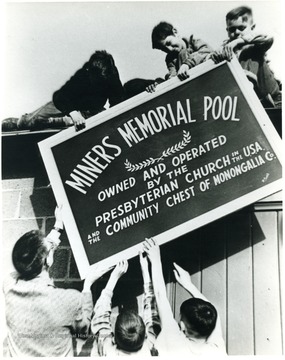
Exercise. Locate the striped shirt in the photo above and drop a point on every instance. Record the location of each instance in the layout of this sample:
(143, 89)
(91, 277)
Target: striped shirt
(102, 327)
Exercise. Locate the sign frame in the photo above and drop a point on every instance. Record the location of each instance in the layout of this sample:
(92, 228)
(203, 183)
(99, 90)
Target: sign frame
(61, 197)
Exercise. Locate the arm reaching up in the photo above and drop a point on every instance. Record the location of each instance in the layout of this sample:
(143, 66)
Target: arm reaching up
(150, 311)
(101, 322)
(184, 279)
(164, 309)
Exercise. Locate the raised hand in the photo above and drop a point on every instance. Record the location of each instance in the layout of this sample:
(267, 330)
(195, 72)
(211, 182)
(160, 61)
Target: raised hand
(151, 247)
(182, 276)
(120, 269)
(94, 274)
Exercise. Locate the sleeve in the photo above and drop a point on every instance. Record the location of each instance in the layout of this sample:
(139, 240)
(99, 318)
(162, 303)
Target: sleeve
(63, 102)
(150, 314)
(66, 97)
(116, 90)
(83, 313)
(53, 238)
(101, 323)
(197, 52)
(171, 62)
(263, 42)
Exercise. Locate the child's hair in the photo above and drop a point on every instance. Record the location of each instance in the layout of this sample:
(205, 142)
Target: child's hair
(129, 331)
(102, 64)
(199, 315)
(160, 32)
(29, 254)
(243, 11)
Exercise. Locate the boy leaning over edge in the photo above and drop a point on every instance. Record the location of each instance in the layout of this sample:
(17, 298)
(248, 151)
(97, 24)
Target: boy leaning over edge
(182, 53)
(250, 47)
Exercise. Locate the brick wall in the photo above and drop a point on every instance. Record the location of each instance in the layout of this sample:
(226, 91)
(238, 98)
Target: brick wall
(28, 203)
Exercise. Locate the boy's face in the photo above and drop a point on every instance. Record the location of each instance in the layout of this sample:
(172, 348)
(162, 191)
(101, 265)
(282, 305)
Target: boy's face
(172, 43)
(238, 26)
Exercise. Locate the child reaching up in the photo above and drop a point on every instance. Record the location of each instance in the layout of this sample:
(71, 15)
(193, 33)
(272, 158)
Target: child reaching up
(132, 334)
(199, 331)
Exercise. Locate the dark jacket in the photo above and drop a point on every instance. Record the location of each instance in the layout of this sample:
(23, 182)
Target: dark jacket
(86, 92)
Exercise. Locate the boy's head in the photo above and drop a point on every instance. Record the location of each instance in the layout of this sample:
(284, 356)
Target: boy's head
(198, 318)
(239, 20)
(129, 331)
(165, 38)
(30, 254)
(101, 65)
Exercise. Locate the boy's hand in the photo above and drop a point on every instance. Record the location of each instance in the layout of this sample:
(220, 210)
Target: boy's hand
(151, 88)
(182, 276)
(183, 72)
(120, 269)
(78, 120)
(152, 249)
(94, 274)
(221, 55)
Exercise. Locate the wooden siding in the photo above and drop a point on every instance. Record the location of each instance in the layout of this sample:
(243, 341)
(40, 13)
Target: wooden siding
(236, 263)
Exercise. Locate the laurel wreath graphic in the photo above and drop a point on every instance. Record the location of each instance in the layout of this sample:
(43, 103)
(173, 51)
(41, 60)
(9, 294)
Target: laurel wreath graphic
(168, 152)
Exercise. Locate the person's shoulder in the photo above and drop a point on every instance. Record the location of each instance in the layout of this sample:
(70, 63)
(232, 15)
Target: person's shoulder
(217, 346)
(65, 298)
(9, 280)
(170, 57)
(68, 294)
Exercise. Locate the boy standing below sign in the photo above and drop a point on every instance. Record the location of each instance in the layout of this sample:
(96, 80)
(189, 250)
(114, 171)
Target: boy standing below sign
(182, 53)
(41, 319)
(250, 48)
(132, 334)
(200, 330)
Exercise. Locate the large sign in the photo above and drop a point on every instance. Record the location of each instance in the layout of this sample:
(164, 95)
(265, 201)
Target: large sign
(163, 164)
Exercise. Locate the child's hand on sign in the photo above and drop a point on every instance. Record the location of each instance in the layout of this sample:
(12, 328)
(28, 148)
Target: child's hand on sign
(183, 72)
(95, 272)
(120, 269)
(78, 120)
(152, 249)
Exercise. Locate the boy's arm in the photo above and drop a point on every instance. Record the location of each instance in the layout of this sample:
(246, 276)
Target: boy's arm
(163, 305)
(84, 309)
(171, 63)
(250, 39)
(150, 311)
(197, 52)
(117, 93)
(101, 323)
(53, 238)
(184, 279)
(262, 42)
